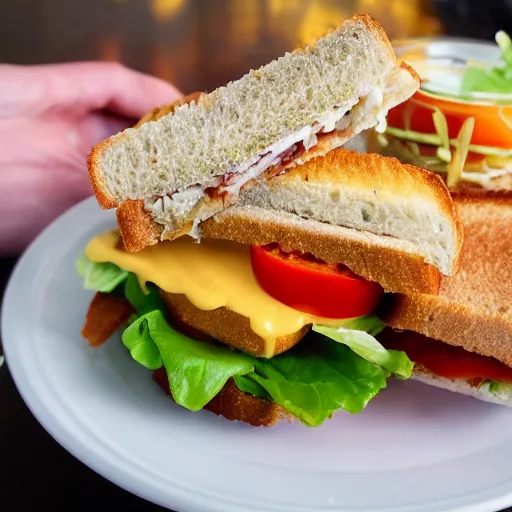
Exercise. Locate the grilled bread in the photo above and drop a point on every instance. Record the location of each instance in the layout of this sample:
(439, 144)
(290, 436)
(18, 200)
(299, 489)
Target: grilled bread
(189, 161)
(474, 308)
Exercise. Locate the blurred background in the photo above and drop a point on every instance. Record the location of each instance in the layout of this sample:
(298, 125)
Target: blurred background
(197, 45)
(201, 44)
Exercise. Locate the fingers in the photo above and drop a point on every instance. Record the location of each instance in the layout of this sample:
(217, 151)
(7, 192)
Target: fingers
(80, 87)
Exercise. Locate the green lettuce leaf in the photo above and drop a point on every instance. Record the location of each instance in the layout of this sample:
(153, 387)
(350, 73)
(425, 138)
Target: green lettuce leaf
(502, 390)
(311, 381)
(318, 377)
(100, 277)
(137, 338)
(371, 324)
(142, 302)
(497, 79)
(366, 346)
(197, 371)
(248, 385)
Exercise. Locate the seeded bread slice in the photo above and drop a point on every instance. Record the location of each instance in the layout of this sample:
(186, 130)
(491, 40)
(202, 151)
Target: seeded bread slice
(352, 70)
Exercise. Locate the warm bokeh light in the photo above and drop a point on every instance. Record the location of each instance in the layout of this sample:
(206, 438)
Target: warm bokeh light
(278, 7)
(248, 16)
(302, 21)
(400, 18)
(206, 43)
(165, 10)
(319, 18)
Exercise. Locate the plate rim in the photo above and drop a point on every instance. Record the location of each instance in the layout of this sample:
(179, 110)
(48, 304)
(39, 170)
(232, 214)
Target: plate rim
(183, 500)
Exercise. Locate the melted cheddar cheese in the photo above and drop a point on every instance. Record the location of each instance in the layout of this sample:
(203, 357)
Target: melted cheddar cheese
(211, 274)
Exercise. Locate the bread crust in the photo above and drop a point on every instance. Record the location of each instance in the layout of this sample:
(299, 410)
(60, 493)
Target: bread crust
(474, 308)
(394, 270)
(105, 200)
(107, 313)
(159, 112)
(137, 228)
(227, 326)
(235, 405)
(98, 185)
(371, 171)
(379, 42)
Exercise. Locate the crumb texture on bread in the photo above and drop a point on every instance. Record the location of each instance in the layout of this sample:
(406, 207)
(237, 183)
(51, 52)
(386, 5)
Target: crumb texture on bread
(369, 192)
(191, 205)
(234, 124)
(461, 386)
(474, 307)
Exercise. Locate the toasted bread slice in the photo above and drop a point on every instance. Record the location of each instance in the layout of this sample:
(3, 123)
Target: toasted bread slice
(388, 222)
(226, 326)
(394, 266)
(297, 107)
(235, 405)
(373, 194)
(474, 308)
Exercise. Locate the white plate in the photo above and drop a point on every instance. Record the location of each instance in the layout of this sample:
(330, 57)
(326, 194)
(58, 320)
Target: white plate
(413, 449)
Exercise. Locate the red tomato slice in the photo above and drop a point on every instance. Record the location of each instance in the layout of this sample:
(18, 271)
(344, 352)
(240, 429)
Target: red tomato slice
(445, 360)
(490, 129)
(312, 286)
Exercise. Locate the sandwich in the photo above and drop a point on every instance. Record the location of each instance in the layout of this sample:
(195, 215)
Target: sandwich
(269, 314)
(461, 339)
(189, 161)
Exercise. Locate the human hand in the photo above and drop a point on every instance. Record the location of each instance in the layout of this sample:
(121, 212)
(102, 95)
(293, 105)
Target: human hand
(50, 117)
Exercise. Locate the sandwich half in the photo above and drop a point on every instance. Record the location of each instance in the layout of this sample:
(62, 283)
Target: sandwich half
(188, 161)
(271, 314)
(461, 339)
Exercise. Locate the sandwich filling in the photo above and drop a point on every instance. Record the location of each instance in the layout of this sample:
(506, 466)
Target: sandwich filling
(338, 365)
(336, 127)
(212, 274)
(451, 362)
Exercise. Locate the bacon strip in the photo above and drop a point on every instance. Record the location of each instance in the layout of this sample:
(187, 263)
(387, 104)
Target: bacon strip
(106, 314)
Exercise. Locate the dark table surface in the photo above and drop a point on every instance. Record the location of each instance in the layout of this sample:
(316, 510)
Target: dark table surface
(196, 44)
